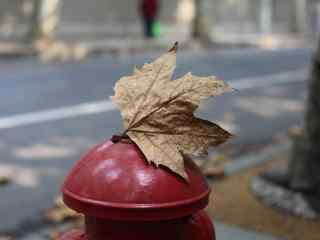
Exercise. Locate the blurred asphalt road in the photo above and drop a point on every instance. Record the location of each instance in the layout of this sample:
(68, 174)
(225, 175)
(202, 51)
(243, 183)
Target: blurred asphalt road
(51, 114)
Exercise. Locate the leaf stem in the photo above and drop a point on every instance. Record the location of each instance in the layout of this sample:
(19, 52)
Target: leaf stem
(124, 134)
(118, 138)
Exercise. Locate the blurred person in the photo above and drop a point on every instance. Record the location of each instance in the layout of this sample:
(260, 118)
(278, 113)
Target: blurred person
(149, 10)
(297, 188)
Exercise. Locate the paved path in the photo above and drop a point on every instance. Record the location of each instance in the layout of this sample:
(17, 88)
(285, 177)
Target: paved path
(224, 232)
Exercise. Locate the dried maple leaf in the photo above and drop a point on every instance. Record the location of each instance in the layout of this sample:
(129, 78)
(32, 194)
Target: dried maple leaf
(158, 112)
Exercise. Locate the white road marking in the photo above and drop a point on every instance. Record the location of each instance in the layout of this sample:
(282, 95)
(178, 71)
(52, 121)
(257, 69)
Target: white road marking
(97, 107)
(271, 79)
(56, 114)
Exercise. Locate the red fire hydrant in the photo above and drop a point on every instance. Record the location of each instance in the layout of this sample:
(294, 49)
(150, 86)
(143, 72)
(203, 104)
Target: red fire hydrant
(123, 197)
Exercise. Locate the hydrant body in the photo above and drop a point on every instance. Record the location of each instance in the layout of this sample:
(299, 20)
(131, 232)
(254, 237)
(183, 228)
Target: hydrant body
(124, 197)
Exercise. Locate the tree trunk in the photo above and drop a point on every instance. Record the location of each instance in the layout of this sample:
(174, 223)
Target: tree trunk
(45, 19)
(305, 157)
(202, 24)
(266, 12)
(301, 17)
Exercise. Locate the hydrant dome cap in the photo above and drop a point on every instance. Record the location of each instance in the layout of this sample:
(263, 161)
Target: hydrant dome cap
(114, 181)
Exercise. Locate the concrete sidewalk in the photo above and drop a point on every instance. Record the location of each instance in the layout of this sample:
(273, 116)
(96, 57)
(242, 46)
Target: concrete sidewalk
(226, 232)
(103, 38)
(78, 50)
(269, 41)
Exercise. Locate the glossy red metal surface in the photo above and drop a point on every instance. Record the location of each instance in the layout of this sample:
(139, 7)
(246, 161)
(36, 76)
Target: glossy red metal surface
(114, 181)
(73, 235)
(195, 227)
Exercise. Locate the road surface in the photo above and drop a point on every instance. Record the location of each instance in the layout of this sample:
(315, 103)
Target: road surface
(51, 114)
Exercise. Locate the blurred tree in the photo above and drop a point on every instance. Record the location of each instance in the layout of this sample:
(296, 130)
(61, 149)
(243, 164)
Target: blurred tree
(297, 190)
(305, 159)
(202, 25)
(44, 19)
(266, 9)
(301, 17)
